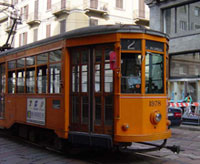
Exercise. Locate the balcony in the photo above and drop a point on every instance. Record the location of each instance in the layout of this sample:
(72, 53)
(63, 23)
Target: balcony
(141, 17)
(33, 19)
(96, 8)
(61, 8)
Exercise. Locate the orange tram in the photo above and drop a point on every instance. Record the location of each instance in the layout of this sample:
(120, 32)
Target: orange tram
(102, 86)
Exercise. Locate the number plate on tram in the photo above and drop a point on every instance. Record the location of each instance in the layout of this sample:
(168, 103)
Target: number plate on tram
(154, 103)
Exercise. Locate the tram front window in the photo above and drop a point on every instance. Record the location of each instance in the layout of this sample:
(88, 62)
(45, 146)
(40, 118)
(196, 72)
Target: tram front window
(154, 73)
(131, 73)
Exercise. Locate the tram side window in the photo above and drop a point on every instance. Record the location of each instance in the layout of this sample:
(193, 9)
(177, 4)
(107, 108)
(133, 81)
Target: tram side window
(30, 61)
(21, 63)
(108, 76)
(2, 90)
(75, 71)
(42, 79)
(12, 64)
(20, 81)
(131, 73)
(154, 75)
(42, 59)
(55, 78)
(30, 80)
(11, 81)
(55, 56)
(2, 78)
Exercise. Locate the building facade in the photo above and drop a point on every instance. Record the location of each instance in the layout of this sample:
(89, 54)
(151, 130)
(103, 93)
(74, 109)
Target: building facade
(44, 18)
(181, 20)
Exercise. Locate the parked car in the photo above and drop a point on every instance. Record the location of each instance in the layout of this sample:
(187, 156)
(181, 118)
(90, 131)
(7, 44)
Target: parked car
(175, 116)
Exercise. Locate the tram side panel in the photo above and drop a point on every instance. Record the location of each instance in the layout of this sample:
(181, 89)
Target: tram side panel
(134, 123)
(22, 108)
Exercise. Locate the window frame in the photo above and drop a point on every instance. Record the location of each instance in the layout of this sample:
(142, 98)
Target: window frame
(35, 67)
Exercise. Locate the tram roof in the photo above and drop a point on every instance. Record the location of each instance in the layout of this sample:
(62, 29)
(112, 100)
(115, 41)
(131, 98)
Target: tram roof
(87, 31)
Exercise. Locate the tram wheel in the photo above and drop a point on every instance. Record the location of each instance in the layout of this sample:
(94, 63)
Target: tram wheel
(58, 143)
(32, 136)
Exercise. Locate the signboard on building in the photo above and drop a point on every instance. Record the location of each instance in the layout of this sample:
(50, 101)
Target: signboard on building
(36, 111)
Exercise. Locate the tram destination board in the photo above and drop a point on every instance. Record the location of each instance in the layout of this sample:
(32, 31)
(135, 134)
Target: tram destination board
(131, 44)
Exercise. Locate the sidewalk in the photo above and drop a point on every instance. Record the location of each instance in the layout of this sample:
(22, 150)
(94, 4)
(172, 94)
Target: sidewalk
(189, 127)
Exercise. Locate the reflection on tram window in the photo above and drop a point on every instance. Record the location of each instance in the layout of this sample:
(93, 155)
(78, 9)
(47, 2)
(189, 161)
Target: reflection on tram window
(11, 82)
(154, 76)
(42, 58)
(131, 73)
(55, 78)
(30, 61)
(108, 73)
(97, 78)
(20, 63)
(75, 79)
(55, 56)
(12, 64)
(42, 79)
(20, 81)
(30, 80)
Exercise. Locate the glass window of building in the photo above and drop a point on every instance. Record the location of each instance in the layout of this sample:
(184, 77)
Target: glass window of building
(185, 65)
(182, 18)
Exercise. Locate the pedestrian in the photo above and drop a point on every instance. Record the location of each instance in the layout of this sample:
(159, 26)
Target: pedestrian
(188, 98)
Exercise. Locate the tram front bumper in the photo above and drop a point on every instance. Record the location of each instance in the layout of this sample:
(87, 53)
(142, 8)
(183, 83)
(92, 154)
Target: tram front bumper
(142, 137)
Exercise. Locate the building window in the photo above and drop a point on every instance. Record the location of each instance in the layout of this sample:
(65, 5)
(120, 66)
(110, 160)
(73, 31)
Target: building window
(197, 11)
(183, 25)
(141, 9)
(48, 4)
(181, 18)
(185, 65)
(93, 22)
(35, 35)
(94, 4)
(62, 26)
(119, 4)
(14, 2)
(23, 39)
(24, 12)
(48, 30)
(36, 10)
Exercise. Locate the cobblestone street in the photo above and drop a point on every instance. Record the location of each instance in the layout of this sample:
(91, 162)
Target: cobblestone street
(17, 152)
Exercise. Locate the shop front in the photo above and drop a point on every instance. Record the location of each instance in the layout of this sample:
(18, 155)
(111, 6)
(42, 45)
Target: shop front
(184, 76)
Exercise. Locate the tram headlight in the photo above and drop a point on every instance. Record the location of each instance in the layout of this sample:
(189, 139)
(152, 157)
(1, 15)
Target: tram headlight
(155, 117)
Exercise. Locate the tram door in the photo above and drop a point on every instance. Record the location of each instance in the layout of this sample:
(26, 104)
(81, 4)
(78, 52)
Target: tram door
(91, 90)
(2, 90)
